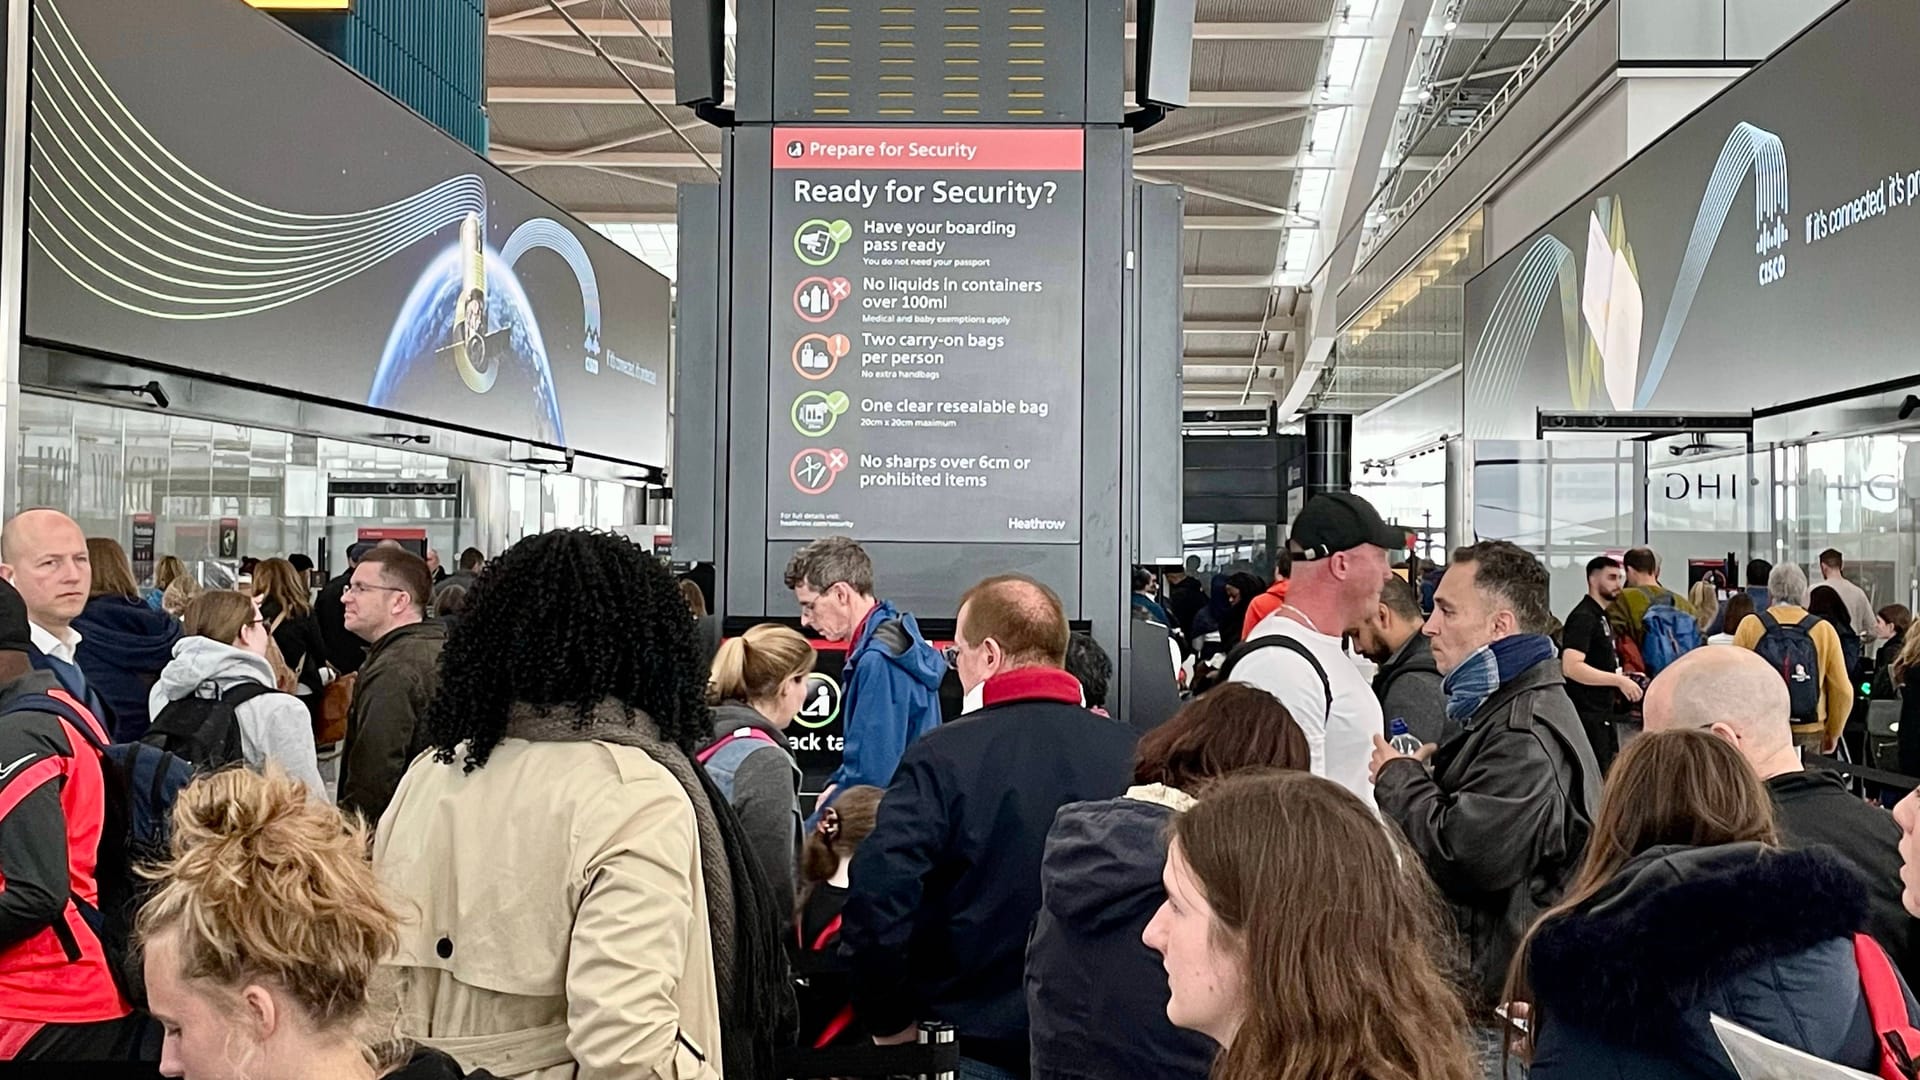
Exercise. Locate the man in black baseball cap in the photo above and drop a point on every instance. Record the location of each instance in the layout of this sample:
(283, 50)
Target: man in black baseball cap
(1342, 521)
(1340, 559)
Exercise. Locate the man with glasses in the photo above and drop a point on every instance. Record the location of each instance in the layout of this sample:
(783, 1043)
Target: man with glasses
(891, 684)
(386, 605)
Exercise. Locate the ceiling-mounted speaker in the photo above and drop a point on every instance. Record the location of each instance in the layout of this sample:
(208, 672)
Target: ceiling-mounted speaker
(699, 52)
(1163, 53)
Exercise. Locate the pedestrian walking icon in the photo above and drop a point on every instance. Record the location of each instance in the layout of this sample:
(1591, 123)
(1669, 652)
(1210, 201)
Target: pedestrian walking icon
(818, 241)
(813, 469)
(816, 298)
(816, 355)
(815, 412)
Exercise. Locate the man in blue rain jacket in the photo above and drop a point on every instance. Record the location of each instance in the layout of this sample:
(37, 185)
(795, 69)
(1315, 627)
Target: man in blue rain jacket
(891, 685)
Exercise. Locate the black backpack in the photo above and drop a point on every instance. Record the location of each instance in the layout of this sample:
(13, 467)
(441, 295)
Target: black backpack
(1277, 641)
(204, 731)
(1789, 650)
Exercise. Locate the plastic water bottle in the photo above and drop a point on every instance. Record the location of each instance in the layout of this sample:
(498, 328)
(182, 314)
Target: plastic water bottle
(1401, 739)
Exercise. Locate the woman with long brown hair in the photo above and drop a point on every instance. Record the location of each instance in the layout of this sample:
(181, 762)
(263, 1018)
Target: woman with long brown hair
(1096, 1001)
(1304, 937)
(284, 603)
(1686, 906)
(1905, 673)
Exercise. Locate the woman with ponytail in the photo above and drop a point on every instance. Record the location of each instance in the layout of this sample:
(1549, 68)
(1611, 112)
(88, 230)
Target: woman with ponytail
(264, 938)
(759, 684)
(826, 1009)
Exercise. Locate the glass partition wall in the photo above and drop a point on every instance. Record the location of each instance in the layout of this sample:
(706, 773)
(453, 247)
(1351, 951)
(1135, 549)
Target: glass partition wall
(1696, 499)
(103, 464)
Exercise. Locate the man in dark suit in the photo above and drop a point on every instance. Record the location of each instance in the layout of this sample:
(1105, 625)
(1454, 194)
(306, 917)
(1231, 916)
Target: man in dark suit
(44, 554)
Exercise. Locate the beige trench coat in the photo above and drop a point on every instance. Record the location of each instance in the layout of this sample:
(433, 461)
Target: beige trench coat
(557, 926)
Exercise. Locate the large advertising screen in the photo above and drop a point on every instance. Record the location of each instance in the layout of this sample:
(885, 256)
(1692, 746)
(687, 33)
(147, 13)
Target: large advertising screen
(1760, 253)
(925, 376)
(208, 192)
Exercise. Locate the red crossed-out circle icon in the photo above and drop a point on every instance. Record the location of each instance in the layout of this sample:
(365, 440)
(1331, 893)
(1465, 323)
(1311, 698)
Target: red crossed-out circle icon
(817, 298)
(814, 469)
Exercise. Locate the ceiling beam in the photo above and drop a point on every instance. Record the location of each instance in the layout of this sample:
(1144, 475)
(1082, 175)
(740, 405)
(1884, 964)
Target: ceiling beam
(613, 215)
(663, 29)
(1228, 281)
(507, 157)
(525, 25)
(1233, 222)
(1224, 328)
(1215, 162)
(663, 95)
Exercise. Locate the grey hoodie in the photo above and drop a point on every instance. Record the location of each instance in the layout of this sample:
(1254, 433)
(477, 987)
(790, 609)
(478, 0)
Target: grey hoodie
(273, 727)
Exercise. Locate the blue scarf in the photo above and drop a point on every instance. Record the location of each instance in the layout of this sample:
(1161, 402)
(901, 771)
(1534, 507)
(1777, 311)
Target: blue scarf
(1489, 668)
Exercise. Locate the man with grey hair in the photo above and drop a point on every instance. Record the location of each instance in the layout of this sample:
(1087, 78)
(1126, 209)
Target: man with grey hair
(1502, 819)
(1804, 652)
(890, 687)
(1735, 694)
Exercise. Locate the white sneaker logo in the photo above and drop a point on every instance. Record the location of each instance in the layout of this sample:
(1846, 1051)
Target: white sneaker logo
(8, 771)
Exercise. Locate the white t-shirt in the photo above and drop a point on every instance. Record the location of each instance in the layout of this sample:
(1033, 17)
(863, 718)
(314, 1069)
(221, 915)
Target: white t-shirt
(1341, 739)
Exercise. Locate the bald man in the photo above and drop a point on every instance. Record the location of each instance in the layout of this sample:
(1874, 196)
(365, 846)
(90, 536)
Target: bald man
(947, 886)
(1737, 696)
(44, 554)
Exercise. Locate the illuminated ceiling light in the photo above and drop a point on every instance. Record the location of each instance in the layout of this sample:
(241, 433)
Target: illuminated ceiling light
(1426, 93)
(1452, 25)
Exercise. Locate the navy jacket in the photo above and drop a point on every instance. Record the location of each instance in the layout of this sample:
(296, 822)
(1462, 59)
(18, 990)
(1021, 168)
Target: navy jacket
(1096, 995)
(890, 696)
(124, 645)
(945, 890)
(1624, 984)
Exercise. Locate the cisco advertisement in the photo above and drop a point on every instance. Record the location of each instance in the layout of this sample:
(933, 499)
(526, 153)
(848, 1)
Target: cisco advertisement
(1760, 252)
(208, 193)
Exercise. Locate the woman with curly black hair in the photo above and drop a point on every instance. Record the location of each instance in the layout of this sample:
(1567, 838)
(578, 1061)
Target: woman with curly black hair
(589, 906)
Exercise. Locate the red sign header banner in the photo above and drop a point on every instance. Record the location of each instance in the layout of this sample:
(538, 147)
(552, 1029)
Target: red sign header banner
(945, 149)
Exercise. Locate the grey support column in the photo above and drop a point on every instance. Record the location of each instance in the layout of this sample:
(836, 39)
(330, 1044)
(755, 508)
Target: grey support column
(1329, 452)
(13, 242)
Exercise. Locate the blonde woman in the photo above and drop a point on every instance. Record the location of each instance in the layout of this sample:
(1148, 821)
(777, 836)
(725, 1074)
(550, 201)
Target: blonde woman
(1705, 601)
(759, 685)
(265, 938)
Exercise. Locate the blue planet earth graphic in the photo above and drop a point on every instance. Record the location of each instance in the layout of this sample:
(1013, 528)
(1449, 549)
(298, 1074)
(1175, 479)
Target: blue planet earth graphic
(417, 376)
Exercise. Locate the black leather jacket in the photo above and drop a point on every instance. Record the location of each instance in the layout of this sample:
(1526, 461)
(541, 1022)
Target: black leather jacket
(1502, 820)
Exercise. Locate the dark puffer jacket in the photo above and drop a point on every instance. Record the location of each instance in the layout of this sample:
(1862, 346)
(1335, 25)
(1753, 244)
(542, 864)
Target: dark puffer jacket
(1096, 995)
(1624, 985)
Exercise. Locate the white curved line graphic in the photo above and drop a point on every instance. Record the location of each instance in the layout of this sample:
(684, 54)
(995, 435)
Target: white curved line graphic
(1515, 316)
(1748, 147)
(1501, 353)
(555, 237)
(130, 222)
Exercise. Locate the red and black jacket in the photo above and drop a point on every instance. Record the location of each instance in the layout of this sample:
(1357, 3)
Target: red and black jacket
(53, 809)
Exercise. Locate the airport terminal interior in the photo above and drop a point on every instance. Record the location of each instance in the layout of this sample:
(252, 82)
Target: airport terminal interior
(1480, 436)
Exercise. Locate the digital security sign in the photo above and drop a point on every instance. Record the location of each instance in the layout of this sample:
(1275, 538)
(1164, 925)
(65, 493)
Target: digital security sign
(925, 371)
